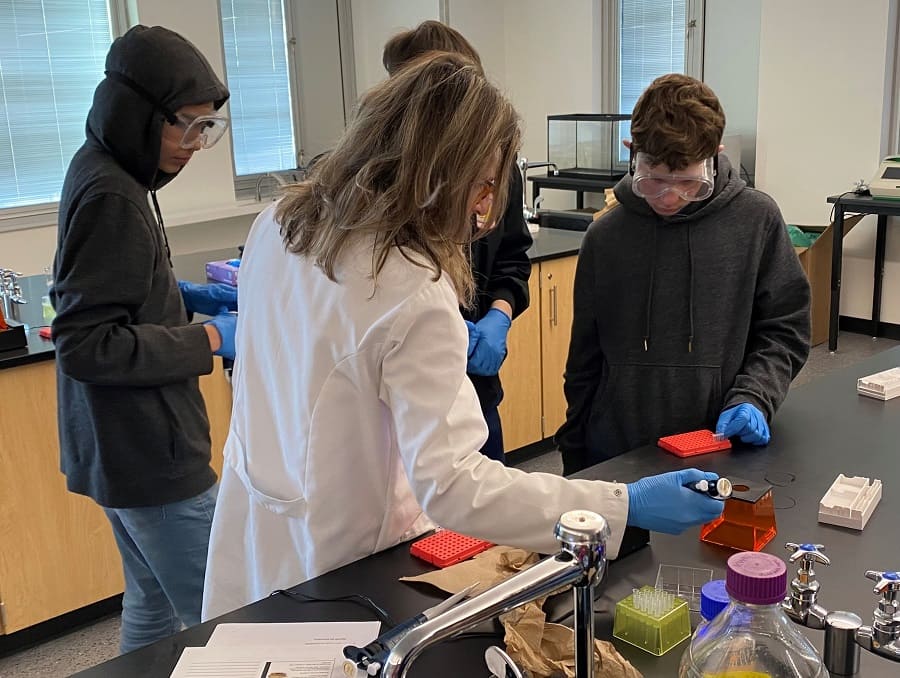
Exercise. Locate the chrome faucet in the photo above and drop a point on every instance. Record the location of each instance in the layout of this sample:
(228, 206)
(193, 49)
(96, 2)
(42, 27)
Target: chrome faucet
(883, 636)
(531, 213)
(581, 562)
(844, 631)
(800, 604)
(281, 179)
(11, 293)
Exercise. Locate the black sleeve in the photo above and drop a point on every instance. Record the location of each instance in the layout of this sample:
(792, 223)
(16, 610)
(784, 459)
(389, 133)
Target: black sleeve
(778, 344)
(584, 365)
(512, 268)
(103, 274)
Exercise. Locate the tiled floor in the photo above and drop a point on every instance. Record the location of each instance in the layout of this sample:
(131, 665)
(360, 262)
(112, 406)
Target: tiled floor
(98, 642)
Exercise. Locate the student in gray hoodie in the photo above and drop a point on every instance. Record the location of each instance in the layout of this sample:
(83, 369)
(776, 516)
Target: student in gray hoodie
(133, 430)
(691, 309)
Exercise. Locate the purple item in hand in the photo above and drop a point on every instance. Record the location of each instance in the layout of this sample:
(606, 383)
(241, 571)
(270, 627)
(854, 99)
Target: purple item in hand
(223, 272)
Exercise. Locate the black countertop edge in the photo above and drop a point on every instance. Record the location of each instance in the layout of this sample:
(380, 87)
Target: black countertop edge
(549, 243)
(38, 350)
(554, 243)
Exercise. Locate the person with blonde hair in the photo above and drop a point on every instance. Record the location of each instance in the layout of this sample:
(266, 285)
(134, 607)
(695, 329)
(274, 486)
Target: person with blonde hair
(354, 425)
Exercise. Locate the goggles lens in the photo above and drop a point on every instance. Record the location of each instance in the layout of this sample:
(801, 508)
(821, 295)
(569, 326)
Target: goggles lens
(205, 129)
(650, 182)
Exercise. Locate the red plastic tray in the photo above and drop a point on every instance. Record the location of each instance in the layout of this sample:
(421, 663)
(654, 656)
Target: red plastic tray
(693, 443)
(445, 548)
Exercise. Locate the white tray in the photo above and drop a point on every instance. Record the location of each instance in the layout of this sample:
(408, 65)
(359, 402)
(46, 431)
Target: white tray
(850, 501)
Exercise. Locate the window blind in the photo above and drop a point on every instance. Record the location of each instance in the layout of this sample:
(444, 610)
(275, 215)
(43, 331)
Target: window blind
(52, 54)
(651, 43)
(262, 126)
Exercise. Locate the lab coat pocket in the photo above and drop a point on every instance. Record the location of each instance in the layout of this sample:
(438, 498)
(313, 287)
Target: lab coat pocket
(236, 458)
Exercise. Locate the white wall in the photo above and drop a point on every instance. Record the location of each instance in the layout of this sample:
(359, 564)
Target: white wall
(374, 21)
(549, 58)
(482, 23)
(731, 67)
(318, 66)
(824, 72)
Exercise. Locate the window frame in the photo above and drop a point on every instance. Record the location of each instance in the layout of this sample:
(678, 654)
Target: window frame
(254, 186)
(893, 115)
(43, 214)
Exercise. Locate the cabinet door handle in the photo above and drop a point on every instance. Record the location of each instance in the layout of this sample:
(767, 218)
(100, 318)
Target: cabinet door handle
(554, 319)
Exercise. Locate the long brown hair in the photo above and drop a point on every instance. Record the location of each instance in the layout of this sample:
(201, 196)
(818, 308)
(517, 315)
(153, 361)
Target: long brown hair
(405, 169)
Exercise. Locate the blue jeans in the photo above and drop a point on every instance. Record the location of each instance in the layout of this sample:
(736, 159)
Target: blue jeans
(164, 558)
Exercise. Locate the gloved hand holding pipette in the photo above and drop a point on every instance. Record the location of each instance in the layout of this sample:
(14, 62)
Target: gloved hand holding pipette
(663, 503)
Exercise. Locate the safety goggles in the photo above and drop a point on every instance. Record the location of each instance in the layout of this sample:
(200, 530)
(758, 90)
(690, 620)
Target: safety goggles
(649, 182)
(485, 197)
(205, 129)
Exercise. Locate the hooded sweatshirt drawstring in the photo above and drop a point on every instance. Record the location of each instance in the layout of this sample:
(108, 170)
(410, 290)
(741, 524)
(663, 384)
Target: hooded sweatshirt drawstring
(650, 291)
(690, 289)
(162, 226)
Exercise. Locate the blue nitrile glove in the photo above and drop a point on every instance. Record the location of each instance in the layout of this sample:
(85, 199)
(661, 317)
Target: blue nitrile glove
(473, 337)
(490, 346)
(744, 420)
(208, 299)
(226, 324)
(663, 504)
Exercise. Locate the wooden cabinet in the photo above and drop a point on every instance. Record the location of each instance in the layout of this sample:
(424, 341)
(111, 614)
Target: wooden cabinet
(520, 410)
(57, 552)
(534, 406)
(557, 286)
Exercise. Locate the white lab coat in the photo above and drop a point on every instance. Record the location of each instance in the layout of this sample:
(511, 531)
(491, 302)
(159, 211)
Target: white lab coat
(353, 418)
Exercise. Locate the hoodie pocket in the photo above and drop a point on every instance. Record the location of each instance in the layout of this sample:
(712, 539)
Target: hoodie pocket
(236, 457)
(642, 402)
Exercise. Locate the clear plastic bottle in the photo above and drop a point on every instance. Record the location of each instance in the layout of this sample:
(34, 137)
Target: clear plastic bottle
(752, 637)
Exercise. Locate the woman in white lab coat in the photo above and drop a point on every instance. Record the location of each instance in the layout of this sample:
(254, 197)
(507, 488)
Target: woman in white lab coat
(354, 425)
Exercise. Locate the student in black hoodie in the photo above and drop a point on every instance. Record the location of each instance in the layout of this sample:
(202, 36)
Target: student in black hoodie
(499, 258)
(134, 435)
(691, 309)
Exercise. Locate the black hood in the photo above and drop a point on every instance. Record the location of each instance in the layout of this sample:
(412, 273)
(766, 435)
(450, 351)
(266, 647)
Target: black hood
(150, 74)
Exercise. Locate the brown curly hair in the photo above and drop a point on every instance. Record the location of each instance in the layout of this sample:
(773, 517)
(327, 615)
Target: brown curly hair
(428, 36)
(404, 170)
(678, 121)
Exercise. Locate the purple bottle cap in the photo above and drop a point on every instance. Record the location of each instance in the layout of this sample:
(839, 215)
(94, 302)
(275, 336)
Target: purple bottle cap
(756, 578)
(713, 599)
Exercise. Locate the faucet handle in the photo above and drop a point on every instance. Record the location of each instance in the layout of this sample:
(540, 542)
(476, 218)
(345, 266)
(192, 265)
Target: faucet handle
(808, 553)
(886, 583)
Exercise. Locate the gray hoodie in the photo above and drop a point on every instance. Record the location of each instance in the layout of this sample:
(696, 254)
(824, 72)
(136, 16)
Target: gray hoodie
(133, 428)
(678, 318)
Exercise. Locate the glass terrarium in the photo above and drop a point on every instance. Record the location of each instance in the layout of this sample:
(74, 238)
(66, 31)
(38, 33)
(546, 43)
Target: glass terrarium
(588, 145)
